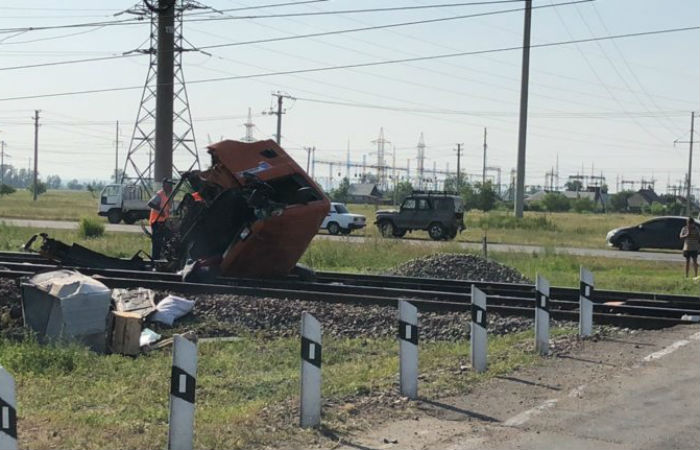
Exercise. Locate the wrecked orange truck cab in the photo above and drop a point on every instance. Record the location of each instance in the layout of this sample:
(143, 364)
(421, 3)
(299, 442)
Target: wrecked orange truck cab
(253, 212)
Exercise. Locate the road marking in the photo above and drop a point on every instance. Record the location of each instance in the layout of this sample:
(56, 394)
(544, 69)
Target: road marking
(671, 348)
(524, 416)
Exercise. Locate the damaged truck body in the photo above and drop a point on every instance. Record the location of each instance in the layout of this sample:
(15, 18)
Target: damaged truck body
(253, 213)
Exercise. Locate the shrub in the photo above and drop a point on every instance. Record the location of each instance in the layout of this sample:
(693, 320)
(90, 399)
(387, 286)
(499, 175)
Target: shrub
(657, 209)
(555, 202)
(91, 228)
(508, 221)
(6, 189)
(583, 205)
(40, 187)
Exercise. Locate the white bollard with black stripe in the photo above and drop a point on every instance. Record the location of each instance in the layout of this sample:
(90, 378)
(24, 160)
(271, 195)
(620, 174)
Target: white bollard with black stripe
(585, 324)
(542, 315)
(8, 411)
(479, 342)
(310, 371)
(183, 382)
(408, 349)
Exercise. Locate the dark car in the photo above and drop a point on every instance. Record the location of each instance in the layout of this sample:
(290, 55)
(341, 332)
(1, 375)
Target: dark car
(660, 232)
(440, 213)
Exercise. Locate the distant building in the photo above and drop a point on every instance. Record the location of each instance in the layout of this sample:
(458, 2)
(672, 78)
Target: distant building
(641, 199)
(364, 193)
(595, 195)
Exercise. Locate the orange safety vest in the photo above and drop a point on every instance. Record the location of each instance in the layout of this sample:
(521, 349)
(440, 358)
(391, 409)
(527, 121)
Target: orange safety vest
(156, 215)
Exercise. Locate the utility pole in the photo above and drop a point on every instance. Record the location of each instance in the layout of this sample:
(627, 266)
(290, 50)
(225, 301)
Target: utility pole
(280, 98)
(313, 161)
(483, 174)
(165, 89)
(308, 158)
(2, 163)
(459, 168)
(36, 150)
(690, 161)
(116, 155)
(519, 198)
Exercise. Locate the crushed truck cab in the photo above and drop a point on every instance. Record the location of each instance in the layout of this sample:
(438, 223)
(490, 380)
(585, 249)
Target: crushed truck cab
(258, 211)
(253, 213)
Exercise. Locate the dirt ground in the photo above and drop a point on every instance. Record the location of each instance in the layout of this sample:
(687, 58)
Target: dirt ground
(494, 411)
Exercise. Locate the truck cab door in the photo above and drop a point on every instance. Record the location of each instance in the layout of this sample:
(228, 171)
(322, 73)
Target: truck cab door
(110, 198)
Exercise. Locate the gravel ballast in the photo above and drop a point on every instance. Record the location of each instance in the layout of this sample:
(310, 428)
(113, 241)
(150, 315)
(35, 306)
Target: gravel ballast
(458, 266)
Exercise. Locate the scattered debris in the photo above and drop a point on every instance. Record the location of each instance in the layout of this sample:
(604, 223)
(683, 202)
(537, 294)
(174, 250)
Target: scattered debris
(172, 308)
(125, 333)
(148, 337)
(458, 266)
(67, 305)
(140, 301)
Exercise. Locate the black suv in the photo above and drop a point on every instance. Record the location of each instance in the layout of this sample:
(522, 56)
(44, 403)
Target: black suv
(439, 213)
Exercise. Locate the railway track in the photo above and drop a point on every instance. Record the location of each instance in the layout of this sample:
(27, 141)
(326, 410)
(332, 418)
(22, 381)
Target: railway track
(633, 309)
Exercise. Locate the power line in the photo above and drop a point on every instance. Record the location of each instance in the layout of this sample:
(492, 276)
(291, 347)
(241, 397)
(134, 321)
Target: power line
(385, 26)
(369, 64)
(303, 36)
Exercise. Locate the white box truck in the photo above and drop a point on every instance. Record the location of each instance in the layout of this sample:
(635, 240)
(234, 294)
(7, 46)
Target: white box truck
(126, 202)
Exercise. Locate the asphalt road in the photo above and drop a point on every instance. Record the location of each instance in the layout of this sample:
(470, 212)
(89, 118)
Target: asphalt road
(640, 255)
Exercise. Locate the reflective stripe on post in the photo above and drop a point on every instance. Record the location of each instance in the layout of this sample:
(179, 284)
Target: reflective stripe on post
(183, 383)
(310, 398)
(479, 342)
(408, 349)
(8, 411)
(585, 325)
(542, 315)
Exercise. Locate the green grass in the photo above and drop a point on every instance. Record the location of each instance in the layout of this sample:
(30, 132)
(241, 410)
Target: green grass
(53, 205)
(247, 389)
(111, 243)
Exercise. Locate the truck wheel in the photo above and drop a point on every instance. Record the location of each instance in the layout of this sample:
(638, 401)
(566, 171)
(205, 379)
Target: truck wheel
(114, 216)
(436, 231)
(333, 228)
(399, 232)
(130, 218)
(386, 228)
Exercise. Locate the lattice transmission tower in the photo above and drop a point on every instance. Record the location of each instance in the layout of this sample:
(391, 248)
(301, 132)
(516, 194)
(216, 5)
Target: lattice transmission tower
(139, 162)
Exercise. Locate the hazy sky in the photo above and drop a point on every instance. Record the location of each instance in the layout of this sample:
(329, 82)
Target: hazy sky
(614, 106)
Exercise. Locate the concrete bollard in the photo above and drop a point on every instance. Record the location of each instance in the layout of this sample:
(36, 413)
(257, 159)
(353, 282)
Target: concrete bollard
(542, 315)
(183, 382)
(408, 349)
(585, 325)
(8, 411)
(310, 371)
(479, 342)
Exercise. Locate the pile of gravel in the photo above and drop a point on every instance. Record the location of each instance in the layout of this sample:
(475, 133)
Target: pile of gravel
(458, 266)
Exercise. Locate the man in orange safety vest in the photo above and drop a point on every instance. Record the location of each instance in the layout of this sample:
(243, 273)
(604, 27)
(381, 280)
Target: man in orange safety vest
(160, 211)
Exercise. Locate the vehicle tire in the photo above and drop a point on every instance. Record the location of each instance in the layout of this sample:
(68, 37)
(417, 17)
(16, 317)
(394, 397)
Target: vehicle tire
(399, 232)
(333, 228)
(436, 231)
(130, 218)
(114, 216)
(627, 244)
(386, 228)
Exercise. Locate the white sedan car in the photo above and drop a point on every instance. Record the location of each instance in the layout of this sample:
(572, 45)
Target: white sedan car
(340, 220)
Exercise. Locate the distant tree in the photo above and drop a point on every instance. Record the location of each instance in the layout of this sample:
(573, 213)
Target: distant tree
(574, 185)
(486, 196)
(555, 202)
(75, 185)
(583, 204)
(402, 190)
(53, 182)
(340, 194)
(40, 187)
(618, 201)
(657, 209)
(6, 189)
